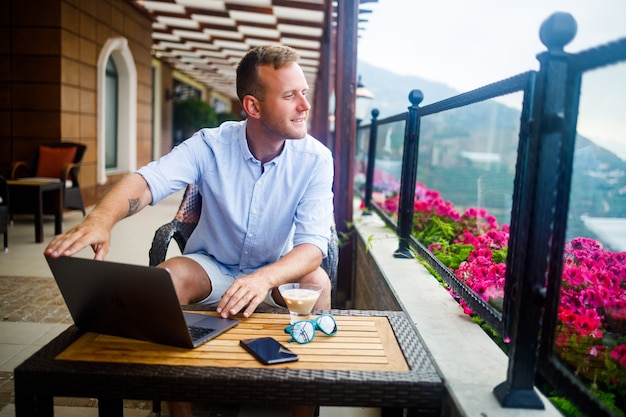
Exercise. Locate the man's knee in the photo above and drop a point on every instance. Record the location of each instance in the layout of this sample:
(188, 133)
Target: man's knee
(320, 277)
(190, 280)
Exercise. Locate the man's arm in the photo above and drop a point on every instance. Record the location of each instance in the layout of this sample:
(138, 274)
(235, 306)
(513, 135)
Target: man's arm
(124, 199)
(252, 289)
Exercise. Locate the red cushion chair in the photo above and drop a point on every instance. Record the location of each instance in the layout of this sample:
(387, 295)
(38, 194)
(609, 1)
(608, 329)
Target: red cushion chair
(60, 160)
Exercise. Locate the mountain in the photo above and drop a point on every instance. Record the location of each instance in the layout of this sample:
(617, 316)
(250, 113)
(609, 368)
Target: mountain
(484, 129)
(391, 90)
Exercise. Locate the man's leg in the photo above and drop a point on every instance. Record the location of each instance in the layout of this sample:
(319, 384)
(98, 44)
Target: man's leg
(303, 411)
(191, 281)
(179, 409)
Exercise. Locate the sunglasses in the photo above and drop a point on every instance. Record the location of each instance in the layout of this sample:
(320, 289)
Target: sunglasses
(304, 331)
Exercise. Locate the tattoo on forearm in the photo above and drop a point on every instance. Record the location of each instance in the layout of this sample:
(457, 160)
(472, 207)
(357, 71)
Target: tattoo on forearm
(133, 206)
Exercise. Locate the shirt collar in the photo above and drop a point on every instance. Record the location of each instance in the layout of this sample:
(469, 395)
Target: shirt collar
(245, 150)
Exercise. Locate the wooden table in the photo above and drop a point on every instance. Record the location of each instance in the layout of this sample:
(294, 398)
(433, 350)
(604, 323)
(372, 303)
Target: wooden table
(27, 196)
(375, 360)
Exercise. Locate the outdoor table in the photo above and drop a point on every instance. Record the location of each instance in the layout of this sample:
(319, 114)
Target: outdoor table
(375, 360)
(26, 196)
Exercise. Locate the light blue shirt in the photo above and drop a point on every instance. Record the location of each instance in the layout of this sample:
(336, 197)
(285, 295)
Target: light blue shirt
(250, 217)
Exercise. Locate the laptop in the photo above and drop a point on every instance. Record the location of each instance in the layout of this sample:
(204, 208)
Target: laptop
(133, 301)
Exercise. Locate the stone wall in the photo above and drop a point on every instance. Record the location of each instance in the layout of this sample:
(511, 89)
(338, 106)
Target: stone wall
(371, 288)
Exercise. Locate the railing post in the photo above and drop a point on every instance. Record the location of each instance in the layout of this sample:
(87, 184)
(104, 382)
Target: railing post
(536, 200)
(409, 174)
(371, 160)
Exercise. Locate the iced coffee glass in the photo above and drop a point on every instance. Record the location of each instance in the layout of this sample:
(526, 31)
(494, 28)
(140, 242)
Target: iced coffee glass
(300, 299)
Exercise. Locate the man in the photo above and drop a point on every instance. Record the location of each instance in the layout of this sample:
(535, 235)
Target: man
(266, 189)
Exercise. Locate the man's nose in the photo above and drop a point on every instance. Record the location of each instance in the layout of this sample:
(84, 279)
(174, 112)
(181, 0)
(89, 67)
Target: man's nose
(304, 104)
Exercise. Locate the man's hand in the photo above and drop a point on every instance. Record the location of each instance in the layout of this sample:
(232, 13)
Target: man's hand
(252, 289)
(249, 290)
(127, 197)
(90, 232)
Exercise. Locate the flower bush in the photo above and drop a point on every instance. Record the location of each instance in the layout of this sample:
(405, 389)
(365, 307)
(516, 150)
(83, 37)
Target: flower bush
(591, 329)
(592, 316)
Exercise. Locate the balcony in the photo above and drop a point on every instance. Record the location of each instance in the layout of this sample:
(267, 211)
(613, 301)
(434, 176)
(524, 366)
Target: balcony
(518, 212)
(539, 195)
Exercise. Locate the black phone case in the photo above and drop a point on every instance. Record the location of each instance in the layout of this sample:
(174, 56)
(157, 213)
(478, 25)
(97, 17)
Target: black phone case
(268, 350)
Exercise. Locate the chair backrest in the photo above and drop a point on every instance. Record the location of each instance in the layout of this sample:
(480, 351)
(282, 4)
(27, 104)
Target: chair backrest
(188, 213)
(55, 151)
(80, 148)
(55, 159)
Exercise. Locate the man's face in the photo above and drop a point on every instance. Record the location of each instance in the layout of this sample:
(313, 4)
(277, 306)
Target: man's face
(284, 107)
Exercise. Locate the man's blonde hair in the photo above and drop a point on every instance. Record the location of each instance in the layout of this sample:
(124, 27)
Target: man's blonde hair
(248, 80)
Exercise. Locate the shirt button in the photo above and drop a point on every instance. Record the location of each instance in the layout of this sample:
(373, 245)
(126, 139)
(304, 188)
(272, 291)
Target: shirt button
(245, 252)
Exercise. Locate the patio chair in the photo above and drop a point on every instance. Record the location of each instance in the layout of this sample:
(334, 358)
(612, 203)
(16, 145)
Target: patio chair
(60, 160)
(4, 211)
(185, 222)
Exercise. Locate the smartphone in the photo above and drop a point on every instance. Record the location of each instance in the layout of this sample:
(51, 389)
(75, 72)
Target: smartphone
(268, 350)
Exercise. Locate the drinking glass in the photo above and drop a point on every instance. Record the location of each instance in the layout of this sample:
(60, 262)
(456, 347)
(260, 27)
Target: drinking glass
(300, 299)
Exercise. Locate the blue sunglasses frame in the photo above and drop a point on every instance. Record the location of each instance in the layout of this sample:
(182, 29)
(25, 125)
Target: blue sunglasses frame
(303, 331)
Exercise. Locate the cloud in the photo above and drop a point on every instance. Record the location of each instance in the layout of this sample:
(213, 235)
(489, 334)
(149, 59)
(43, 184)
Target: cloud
(467, 44)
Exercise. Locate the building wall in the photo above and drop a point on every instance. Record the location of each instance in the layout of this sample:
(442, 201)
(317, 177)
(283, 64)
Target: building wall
(30, 77)
(48, 74)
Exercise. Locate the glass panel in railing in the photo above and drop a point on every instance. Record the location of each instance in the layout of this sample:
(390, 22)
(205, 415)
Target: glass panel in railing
(464, 192)
(360, 161)
(591, 329)
(387, 164)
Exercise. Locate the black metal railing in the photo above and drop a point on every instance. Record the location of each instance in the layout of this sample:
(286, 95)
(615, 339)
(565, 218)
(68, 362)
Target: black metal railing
(539, 194)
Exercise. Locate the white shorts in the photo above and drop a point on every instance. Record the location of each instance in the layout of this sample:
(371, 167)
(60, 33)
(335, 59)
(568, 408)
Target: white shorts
(220, 281)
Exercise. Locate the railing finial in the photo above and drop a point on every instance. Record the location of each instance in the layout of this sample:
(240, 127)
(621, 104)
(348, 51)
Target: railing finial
(416, 97)
(375, 113)
(557, 31)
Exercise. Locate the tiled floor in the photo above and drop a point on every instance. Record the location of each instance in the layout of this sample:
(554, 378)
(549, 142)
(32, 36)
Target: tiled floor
(32, 311)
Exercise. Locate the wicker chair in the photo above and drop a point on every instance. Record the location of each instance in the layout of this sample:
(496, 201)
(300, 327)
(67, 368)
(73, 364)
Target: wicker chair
(4, 211)
(48, 161)
(185, 222)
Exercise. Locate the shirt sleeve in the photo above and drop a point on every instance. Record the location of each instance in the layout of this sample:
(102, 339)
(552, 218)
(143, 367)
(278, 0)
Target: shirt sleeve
(175, 170)
(315, 215)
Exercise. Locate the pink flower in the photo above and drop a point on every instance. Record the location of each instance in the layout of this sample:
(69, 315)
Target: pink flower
(597, 350)
(593, 279)
(619, 354)
(588, 324)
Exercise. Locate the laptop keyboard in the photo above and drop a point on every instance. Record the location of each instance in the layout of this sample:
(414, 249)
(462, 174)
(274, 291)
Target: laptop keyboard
(199, 332)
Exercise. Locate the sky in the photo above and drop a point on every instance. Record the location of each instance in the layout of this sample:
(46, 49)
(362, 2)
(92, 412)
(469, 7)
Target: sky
(470, 43)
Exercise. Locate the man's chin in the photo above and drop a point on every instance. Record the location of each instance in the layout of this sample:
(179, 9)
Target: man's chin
(299, 134)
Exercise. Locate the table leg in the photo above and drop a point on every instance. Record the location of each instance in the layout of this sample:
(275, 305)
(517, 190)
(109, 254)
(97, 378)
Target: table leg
(33, 405)
(39, 216)
(391, 412)
(58, 212)
(110, 407)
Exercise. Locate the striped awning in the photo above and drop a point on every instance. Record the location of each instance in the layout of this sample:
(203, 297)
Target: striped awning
(205, 39)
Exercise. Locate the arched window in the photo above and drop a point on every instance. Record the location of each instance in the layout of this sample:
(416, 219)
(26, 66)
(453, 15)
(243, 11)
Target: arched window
(117, 110)
(110, 115)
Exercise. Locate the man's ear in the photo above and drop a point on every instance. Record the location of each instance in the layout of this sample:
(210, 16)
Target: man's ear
(251, 106)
